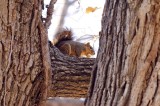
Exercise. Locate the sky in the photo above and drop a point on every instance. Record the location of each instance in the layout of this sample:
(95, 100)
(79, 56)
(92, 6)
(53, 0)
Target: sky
(85, 26)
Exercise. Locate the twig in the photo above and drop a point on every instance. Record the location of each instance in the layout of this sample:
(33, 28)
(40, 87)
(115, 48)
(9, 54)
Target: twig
(49, 13)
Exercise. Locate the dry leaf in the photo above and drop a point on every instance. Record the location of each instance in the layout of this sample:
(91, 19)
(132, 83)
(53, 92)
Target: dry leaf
(90, 9)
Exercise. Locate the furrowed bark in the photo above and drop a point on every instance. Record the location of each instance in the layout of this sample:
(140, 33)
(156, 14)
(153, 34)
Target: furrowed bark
(127, 69)
(23, 66)
(70, 75)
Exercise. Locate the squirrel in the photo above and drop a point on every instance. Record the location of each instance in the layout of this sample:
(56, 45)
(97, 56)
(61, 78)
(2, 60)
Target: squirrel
(64, 42)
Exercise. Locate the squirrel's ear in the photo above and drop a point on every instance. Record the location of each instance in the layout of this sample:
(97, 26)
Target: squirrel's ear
(88, 43)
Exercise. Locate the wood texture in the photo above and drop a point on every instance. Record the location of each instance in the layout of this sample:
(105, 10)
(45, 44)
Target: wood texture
(70, 75)
(128, 64)
(24, 58)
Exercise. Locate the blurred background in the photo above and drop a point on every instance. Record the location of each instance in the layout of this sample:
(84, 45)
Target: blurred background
(83, 17)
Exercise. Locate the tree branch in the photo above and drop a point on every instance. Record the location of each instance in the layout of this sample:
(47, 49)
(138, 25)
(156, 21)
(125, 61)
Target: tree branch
(50, 10)
(70, 75)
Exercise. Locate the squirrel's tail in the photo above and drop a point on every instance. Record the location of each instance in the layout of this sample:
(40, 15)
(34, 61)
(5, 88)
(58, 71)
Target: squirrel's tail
(63, 35)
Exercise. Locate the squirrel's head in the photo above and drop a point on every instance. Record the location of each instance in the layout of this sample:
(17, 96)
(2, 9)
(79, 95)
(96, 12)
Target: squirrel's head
(89, 49)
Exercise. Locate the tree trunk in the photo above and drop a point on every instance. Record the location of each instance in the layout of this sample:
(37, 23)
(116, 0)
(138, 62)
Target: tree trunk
(70, 75)
(127, 71)
(24, 56)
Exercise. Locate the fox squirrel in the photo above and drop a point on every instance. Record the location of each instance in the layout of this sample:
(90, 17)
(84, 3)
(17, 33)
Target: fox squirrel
(64, 42)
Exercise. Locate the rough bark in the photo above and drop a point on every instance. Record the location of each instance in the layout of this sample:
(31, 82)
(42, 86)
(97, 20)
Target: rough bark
(127, 71)
(24, 56)
(70, 75)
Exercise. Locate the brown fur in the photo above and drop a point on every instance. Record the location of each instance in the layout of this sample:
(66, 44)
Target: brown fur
(67, 46)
